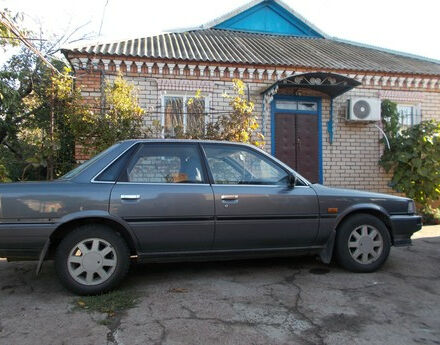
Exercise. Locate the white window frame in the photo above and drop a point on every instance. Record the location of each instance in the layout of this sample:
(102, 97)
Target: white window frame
(185, 96)
(416, 116)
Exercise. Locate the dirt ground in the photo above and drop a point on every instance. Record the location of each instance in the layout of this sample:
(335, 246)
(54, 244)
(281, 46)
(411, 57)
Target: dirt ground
(277, 301)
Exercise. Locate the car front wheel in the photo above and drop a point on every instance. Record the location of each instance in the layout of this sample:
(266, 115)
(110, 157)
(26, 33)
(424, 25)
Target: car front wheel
(362, 243)
(92, 259)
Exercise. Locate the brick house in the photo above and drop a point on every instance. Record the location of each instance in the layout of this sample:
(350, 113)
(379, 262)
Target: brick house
(299, 78)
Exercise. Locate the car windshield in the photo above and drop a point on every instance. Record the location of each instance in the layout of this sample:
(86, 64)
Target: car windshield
(80, 168)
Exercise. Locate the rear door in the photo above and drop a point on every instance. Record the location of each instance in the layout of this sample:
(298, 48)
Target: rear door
(255, 207)
(164, 196)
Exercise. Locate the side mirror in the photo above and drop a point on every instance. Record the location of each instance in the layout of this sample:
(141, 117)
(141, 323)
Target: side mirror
(291, 180)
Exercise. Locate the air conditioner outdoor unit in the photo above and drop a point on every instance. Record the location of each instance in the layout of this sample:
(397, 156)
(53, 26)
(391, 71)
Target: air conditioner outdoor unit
(364, 109)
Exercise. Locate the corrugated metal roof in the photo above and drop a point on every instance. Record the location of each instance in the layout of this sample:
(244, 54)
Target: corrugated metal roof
(226, 46)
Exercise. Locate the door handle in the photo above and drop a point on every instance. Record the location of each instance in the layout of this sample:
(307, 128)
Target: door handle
(229, 197)
(130, 196)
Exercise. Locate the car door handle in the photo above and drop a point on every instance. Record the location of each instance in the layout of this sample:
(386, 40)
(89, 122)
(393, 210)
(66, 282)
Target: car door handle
(130, 196)
(229, 197)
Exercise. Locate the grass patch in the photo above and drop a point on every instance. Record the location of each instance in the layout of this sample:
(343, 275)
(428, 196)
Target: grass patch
(109, 303)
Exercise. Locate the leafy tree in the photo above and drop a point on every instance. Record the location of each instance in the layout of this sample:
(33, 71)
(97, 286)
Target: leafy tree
(414, 157)
(34, 118)
(3, 174)
(49, 128)
(36, 105)
(17, 79)
(6, 36)
(121, 119)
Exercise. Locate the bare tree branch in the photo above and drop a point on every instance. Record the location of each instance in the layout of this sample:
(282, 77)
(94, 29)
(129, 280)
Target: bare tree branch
(64, 38)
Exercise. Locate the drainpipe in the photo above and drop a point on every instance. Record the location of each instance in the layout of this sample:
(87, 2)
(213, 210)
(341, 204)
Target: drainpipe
(330, 123)
(263, 118)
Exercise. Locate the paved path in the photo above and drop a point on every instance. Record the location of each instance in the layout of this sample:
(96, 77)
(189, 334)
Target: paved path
(277, 301)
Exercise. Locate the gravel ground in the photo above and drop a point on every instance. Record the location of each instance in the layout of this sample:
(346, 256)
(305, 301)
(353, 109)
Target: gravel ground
(277, 301)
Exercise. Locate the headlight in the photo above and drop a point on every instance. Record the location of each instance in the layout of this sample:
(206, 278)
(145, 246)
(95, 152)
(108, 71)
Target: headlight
(411, 207)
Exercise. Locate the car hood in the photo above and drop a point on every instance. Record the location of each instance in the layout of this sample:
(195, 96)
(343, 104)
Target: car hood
(345, 199)
(343, 192)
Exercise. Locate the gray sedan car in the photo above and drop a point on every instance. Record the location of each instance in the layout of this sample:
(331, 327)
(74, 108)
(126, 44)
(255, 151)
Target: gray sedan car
(174, 200)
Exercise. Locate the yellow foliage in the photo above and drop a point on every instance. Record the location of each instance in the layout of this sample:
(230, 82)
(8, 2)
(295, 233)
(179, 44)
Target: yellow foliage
(241, 124)
(120, 118)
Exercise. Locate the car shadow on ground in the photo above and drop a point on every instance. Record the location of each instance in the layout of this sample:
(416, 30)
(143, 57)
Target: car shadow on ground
(159, 271)
(19, 277)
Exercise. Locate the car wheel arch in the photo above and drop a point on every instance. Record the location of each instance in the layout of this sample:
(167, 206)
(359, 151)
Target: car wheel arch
(373, 210)
(66, 227)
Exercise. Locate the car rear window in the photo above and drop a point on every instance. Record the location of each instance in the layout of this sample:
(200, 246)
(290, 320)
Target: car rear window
(112, 173)
(80, 168)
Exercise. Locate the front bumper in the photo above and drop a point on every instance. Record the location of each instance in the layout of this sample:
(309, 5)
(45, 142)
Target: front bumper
(403, 226)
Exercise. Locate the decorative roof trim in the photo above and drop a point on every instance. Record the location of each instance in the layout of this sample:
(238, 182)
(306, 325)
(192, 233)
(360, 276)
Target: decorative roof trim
(250, 74)
(401, 95)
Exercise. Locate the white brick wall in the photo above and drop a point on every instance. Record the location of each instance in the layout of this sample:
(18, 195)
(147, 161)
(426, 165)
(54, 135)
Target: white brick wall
(351, 161)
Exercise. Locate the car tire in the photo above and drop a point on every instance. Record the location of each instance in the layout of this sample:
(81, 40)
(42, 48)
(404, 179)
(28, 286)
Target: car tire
(363, 243)
(92, 259)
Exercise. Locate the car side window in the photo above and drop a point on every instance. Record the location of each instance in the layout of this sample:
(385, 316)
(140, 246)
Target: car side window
(165, 163)
(230, 164)
(223, 172)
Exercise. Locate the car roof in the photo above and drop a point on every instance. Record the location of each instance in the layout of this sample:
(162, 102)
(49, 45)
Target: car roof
(184, 141)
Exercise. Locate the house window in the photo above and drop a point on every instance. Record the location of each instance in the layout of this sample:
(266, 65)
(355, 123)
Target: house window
(286, 105)
(409, 114)
(183, 114)
(309, 106)
(294, 105)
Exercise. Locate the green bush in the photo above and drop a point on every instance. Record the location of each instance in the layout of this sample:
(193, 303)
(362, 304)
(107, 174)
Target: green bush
(3, 174)
(430, 215)
(414, 156)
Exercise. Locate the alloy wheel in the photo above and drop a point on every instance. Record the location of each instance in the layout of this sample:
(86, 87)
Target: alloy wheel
(92, 261)
(365, 244)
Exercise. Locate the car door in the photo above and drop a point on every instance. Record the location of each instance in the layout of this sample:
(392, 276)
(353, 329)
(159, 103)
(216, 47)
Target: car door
(164, 196)
(255, 206)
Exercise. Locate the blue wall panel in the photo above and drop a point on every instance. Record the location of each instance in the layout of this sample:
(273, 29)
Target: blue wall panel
(270, 18)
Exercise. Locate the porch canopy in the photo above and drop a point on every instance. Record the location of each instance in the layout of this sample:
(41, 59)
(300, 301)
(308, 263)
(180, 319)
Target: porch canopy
(330, 84)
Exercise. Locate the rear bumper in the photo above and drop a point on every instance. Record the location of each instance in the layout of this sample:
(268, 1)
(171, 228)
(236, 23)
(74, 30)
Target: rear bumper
(403, 226)
(23, 241)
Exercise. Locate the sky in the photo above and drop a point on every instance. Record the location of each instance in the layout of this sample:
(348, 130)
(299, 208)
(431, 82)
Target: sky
(403, 25)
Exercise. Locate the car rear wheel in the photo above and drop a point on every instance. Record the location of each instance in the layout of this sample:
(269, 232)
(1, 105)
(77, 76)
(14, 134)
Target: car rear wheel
(362, 243)
(92, 259)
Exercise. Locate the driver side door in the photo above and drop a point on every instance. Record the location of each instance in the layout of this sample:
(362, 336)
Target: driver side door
(254, 206)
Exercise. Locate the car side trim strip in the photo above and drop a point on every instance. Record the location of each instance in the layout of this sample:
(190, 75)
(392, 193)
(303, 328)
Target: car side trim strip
(168, 219)
(268, 217)
(204, 218)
